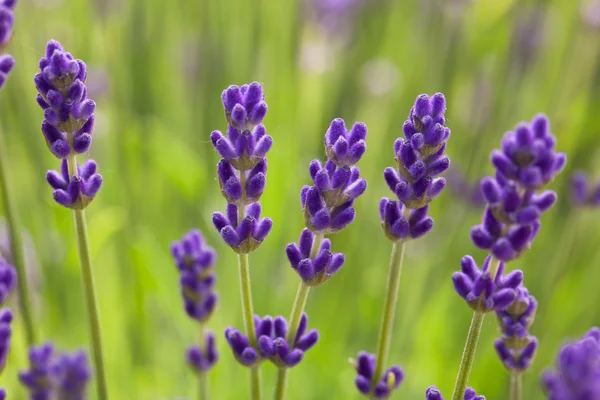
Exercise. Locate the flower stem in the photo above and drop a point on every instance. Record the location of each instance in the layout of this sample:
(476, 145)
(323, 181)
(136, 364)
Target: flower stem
(85, 261)
(516, 385)
(295, 317)
(16, 243)
(387, 322)
(468, 355)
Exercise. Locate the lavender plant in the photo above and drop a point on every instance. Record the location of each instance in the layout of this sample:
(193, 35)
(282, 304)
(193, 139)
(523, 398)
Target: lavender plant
(583, 192)
(7, 63)
(242, 177)
(525, 165)
(328, 207)
(433, 393)
(67, 128)
(195, 261)
(420, 159)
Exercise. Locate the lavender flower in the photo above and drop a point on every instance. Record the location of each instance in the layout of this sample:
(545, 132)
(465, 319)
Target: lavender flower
(202, 358)
(390, 381)
(400, 223)
(420, 155)
(8, 279)
(317, 270)
(2, 394)
(51, 375)
(76, 192)
(329, 205)
(516, 348)
(525, 165)
(584, 193)
(463, 189)
(482, 292)
(272, 343)
(245, 106)
(577, 373)
(7, 20)
(433, 393)
(68, 113)
(6, 318)
(7, 62)
(195, 261)
(246, 235)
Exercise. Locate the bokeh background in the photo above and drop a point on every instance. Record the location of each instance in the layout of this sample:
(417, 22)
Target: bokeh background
(156, 71)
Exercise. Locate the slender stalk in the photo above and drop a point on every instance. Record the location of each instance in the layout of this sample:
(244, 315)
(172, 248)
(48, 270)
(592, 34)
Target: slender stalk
(389, 310)
(247, 307)
(85, 262)
(16, 243)
(516, 385)
(295, 317)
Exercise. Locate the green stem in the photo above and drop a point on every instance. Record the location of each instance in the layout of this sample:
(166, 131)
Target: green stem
(295, 317)
(85, 261)
(468, 355)
(389, 310)
(16, 243)
(516, 385)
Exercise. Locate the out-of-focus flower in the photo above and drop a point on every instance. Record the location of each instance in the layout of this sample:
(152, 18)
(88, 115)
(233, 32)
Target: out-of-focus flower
(583, 192)
(6, 318)
(590, 13)
(202, 358)
(528, 35)
(463, 189)
(380, 77)
(8, 279)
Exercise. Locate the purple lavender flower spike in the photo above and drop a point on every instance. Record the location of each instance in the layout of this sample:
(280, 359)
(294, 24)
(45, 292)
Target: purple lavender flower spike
(583, 192)
(195, 261)
(244, 106)
(243, 237)
(73, 374)
(8, 279)
(6, 318)
(41, 377)
(240, 345)
(68, 113)
(577, 373)
(480, 291)
(365, 368)
(433, 393)
(343, 147)
(313, 271)
(76, 192)
(202, 360)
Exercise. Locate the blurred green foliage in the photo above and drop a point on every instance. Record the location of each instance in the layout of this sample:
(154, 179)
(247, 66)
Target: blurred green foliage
(157, 69)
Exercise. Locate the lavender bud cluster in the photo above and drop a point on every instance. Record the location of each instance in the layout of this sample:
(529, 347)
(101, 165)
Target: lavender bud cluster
(7, 20)
(365, 368)
(8, 279)
(433, 393)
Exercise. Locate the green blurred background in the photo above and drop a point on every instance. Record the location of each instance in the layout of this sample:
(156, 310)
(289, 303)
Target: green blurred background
(156, 71)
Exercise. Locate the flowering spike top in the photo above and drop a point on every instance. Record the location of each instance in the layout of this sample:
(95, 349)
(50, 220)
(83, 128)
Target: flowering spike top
(246, 235)
(583, 192)
(528, 156)
(343, 147)
(317, 269)
(6, 318)
(516, 348)
(203, 359)
(78, 191)
(433, 393)
(195, 261)
(577, 373)
(8, 279)
(420, 154)
(481, 291)
(245, 106)
(365, 368)
(68, 113)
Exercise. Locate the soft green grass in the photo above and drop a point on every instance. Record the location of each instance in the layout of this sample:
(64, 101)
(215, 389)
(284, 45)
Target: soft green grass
(167, 63)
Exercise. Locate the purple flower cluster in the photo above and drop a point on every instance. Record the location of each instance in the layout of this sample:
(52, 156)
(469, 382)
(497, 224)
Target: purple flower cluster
(78, 192)
(8, 279)
(52, 375)
(516, 348)
(365, 368)
(317, 270)
(68, 124)
(577, 373)
(272, 343)
(481, 291)
(526, 163)
(583, 192)
(419, 160)
(243, 167)
(6, 318)
(195, 261)
(7, 20)
(328, 205)
(433, 393)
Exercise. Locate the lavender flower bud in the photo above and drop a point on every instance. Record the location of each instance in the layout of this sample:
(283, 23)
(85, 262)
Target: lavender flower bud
(201, 360)
(245, 106)
(577, 370)
(243, 150)
(6, 318)
(343, 147)
(7, 62)
(243, 352)
(243, 237)
(365, 368)
(8, 279)
(41, 378)
(433, 393)
(584, 193)
(76, 192)
(73, 374)
(480, 291)
(195, 261)
(68, 113)
(400, 223)
(313, 271)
